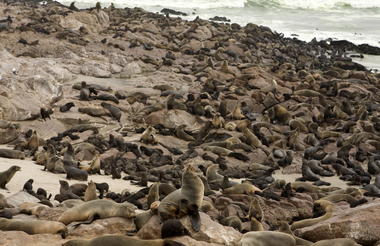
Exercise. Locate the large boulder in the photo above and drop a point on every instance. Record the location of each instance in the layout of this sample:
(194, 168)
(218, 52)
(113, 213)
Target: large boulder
(17, 238)
(211, 231)
(360, 223)
(114, 225)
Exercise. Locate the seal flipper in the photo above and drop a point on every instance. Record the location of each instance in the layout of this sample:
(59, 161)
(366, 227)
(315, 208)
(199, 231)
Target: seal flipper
(88, 221)
(195, 218)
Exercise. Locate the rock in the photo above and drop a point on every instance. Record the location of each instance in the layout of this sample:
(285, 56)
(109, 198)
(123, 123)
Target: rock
(210, 231)
(360, 223)
(188, 241)
(21, 197)
(130, 69)
(8, 131)
(173, 118)
(17, 238)
(115, 225)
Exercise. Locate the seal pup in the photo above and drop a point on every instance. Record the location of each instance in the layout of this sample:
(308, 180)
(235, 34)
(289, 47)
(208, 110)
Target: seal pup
(66, 107)
(173, 228)
(84, 94)
(120, 240)
(97, 209)
(44, 113)
(186, 200)
(266, 238)
(7, 175)
(33, 226)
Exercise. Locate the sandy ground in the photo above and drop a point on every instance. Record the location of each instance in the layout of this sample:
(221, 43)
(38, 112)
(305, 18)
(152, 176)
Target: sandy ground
(50, 181)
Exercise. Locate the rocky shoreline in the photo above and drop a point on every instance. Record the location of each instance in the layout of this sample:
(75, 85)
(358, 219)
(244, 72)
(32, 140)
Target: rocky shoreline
(230, 135)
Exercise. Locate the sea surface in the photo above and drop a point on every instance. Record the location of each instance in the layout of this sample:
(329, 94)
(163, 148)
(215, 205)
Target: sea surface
(355, 20)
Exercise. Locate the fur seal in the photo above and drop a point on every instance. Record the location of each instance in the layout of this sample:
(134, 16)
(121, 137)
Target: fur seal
(7, 175)
(327, 206)
(114, 111)
(334, 198)
(232, 221)
(33, 226)
(97, 209)
(173, 228)
(266, 238)
(84, 94)
(44, 113)
(154, 193)
(90, 193)
(180, 133)
(186, 200)
(120, 240)
(55, 165)
(148, 136)
(66, 107)
(12, 154)
(75, 173)
(244, 188)
(33, 142)
(279, 114)
(212, 175)
(94, 165)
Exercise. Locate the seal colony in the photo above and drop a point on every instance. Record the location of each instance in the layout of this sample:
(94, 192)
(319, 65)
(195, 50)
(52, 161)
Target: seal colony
(206, 117)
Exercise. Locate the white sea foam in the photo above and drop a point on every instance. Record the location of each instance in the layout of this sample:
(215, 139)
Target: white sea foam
(318, 4)
(191, 4)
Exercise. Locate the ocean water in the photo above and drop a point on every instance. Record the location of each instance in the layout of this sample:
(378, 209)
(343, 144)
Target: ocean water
(355, 20)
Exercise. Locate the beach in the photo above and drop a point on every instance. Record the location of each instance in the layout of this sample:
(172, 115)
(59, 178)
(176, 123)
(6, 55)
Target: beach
(150, 126)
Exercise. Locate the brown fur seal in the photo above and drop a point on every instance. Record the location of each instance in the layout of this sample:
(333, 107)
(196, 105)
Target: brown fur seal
(66, 107)
(7, 175)
(94, 165)
(148, 136)
(186, 200)
(120, 240)
(33, 143)
(114, 111)
(90, 193)
(232, 221)
(325, 205)
(180, 133)
(33, 226)
(75, 173)
(12, 154)
(218, 121)
(279, 114)
(154, 194)
(55, 165)
(244, 188)
(97, 209)
(266, 238)
(212, 174)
